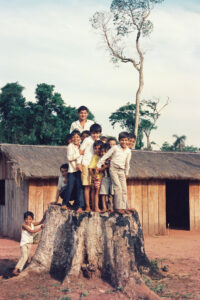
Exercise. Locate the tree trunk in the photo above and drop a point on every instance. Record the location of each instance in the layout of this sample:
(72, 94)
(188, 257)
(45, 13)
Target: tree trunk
(141, 84)
(107, 245)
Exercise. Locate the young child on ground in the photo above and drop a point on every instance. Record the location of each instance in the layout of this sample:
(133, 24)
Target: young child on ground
(84, 134)
(96, 178)
(28, 231)
(83, 123)
(62, 182)
(131, 141)
(119, 169)
(74, 175)
(87, 151)
(112, 142)
(106, 190)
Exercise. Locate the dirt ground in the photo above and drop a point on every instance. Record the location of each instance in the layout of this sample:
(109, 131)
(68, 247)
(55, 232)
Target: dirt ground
(178, 253)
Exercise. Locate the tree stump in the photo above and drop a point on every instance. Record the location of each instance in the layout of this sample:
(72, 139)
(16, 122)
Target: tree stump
(108, 245)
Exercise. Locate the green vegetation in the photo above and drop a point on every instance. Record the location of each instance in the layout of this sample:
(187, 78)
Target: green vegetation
(43, 122)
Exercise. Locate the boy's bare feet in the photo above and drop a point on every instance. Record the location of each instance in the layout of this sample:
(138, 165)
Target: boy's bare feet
(120, 211)
(104, 210)
(97, 210)
(79, 210)
(110, 210)
(16, 272)
(64, 207)
(88, 209)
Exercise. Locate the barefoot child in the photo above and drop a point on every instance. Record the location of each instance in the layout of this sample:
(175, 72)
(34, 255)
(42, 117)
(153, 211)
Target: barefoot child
(106, 190)
(96, 178)
(28, 231)
(119, 169)
(61, 182)
(87, 151)
(74, 175)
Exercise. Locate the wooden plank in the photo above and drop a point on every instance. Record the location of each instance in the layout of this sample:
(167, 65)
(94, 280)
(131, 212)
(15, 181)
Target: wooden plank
(161, 207)
(39, 203)
(138, 198)
(129, 194)
(192, 205)
(153, 207)
(145, 208)
(32, 196)
(197, 206)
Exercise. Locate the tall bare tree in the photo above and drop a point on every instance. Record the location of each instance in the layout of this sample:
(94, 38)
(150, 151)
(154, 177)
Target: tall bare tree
(117, 26)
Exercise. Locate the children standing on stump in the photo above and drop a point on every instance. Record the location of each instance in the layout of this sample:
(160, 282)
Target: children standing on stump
(87, 151)
(119, 168)
(28, 231)
(106, 190)
(74, 175)
(96, 178)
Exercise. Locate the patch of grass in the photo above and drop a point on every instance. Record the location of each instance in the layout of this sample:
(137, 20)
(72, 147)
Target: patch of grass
(187, 296)
(158, 288)
(55, 284)
(154, 265)
(65, 298)
(120, 288)
(65, 290)
(109, 291)
(85, 293)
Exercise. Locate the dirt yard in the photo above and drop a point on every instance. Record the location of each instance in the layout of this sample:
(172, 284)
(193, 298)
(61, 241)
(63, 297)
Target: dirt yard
(178, 253)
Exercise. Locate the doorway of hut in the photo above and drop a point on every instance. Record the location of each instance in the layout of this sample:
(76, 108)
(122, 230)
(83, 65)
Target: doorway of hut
(177, 204)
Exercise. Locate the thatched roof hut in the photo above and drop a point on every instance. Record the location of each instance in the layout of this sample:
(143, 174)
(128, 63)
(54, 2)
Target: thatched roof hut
(34, 161)
(164, 187)
(165, 165)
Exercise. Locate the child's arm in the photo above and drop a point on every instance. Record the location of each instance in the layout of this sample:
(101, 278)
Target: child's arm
(106, 156)
(32, 230)
(42, 221)
(81, 151)
(71, 154)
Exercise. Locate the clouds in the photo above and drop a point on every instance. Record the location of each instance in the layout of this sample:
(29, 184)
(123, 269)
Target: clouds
(44, 41)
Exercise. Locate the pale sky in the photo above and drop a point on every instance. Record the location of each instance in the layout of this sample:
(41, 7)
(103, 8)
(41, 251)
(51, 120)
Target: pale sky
(52, 42)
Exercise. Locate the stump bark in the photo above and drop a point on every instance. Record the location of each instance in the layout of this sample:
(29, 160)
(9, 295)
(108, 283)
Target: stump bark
(108, 245)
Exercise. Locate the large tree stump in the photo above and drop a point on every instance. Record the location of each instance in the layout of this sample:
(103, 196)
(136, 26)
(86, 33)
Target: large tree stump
(109, 245)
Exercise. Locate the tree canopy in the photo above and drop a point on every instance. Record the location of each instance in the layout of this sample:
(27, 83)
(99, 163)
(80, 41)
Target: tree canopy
(43, 122)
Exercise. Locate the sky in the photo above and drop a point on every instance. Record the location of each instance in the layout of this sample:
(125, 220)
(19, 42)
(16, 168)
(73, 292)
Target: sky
(52, 42)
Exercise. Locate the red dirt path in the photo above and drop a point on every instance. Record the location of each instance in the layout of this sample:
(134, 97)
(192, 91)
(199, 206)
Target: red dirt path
(180, 251)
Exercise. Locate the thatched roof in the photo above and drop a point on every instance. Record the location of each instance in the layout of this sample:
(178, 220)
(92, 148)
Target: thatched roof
(44, 162)
(165, 165)
(35, 161)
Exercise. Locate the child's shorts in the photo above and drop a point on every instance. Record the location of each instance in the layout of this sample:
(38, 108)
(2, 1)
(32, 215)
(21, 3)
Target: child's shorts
(106, 186)
(97, 183)
(85, 176)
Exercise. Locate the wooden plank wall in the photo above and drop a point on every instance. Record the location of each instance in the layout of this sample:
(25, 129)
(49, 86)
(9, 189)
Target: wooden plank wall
(41, 192)
(148, 197)
(194, 205)
(11, 213)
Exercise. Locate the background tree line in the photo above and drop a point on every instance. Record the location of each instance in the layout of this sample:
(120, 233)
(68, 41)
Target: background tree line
(47, 121)
(43, 122)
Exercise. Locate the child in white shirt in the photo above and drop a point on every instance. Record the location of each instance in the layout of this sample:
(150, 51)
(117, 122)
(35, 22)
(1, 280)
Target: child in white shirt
(74, 175)
(83, 163)
(28, 231)
(119, 169)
